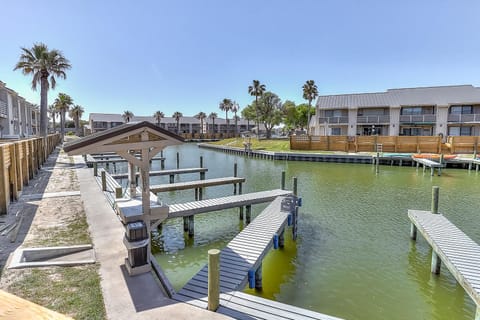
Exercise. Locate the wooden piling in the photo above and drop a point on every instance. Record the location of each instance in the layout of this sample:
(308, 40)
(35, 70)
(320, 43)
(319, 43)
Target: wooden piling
(241, 213)
(191, 225)
(201, 161)
(104, 180)
(178, 160)
(118, 192)
(213, 279)
(435, 194)
(377, 163)
(283, 180)
(95, 169)
(295, 186)
(413, 231)
(436, 261)
(172, 178)
(281, 238)
(258, 277)
(185, 224)
(248, 214)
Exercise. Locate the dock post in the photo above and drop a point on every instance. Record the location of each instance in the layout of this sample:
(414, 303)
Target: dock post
(213, 279)
(200, 193)
(281, 238)
(413, 231)
(178, 160)
(436, 261)
(95, 169)
(295, 186)
(248, 214)
(377, 162)
(235, 175)
(118, 192)
(258, 277)
(104, 180)
(172, 178)
(196, 194)
(185, 224)
(294, 224)
(201, 161)
(162, 164)
(240, 188)
(283, 180)
(241, 213)
(435, 193)
(191, 225)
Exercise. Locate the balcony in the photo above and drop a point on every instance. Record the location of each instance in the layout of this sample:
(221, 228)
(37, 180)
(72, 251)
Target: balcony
(418, 118)
(373, 119)
(463, 118)
(333, 120)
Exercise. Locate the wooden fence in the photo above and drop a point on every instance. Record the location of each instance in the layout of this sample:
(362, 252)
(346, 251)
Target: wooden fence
(407, 144)
(19, 162)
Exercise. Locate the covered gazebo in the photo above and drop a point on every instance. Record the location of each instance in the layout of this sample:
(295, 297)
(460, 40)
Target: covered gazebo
(137, 143)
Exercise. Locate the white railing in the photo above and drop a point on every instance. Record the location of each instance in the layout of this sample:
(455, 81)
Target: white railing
(464, 117)
(333, 120)
(374, 119)
(418, 118)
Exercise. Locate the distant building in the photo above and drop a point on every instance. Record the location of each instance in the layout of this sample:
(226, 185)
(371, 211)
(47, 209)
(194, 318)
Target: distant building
(18, 117)
(424, 111)
(188, 125)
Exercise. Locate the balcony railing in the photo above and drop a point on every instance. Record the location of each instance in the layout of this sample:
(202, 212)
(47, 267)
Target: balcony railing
(418, 118)
(330, 120)
(374, 119)
(3, 108)
(464, 117)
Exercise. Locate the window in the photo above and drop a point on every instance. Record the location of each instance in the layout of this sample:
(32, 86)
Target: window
(467, 109)
(336, 131)
(460, 131)
(417, 110)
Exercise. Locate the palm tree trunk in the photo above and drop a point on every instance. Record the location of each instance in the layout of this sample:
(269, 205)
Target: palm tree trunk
(213, 125)
(43, 105)
(256, 115)
(77, 126)
(62, 124)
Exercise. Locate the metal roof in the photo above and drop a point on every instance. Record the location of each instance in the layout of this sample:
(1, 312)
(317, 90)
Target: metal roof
(442, 95)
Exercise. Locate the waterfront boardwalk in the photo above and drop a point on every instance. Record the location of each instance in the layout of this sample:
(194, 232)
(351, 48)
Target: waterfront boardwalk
(242, 255)
(196, 184)
(459, 253)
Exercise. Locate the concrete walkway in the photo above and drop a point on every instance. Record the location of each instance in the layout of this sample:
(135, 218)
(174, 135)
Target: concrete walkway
(125, 297)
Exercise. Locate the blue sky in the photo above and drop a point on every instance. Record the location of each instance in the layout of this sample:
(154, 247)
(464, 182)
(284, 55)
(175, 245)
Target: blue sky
(186, 56)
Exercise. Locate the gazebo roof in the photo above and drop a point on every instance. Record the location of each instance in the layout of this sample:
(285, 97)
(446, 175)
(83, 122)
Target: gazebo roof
(124, 137)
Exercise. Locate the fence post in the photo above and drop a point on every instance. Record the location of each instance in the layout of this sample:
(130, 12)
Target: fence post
(104, 180)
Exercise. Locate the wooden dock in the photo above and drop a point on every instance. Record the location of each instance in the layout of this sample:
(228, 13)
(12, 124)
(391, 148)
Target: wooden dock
(196, 184)
(459, 253)
(118, 160)
(239, 261)
(430, 164)
(170, 172)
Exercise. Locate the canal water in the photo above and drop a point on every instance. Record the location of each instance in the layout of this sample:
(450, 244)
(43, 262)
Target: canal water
(353, 257)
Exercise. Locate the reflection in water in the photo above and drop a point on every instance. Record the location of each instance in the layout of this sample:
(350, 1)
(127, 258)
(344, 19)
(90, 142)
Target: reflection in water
(353, 258)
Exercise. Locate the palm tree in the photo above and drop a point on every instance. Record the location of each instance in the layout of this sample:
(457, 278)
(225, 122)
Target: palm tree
(53, 113)
(158, 115)
(213, 116)
(310, 92)
(42, 64)
(127, 116)
(235, 109)
(226, 105)
(76, 114)
(177, 115)
(201, 116)
(256, 89)
(62, 104)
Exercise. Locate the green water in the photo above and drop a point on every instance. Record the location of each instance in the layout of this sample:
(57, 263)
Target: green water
(353, 258)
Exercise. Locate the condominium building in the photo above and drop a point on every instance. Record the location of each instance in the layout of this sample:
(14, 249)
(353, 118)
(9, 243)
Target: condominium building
(18, 117)
(423, 111)
(188, 125)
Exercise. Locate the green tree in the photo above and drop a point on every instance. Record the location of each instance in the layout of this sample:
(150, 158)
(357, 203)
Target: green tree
(291, 114)
(248, 113)
(226, 105)
(53, 113)
(127, 116)
(62, 104)
(256, 89)
(303, 112)
(177, 115)
(213, 116)
(310, 92)
(270, 111)
(42, 64)
(201, 116)
(158, 115)
(76, 114)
